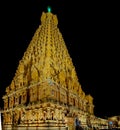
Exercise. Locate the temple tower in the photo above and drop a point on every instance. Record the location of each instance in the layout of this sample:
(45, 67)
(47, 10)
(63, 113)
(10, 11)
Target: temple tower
(45, 91)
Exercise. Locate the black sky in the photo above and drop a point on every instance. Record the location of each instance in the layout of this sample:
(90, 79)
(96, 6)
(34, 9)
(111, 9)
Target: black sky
(91, 33)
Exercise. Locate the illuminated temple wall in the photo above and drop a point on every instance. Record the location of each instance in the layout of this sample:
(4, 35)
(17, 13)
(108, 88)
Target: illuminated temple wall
(45, 91)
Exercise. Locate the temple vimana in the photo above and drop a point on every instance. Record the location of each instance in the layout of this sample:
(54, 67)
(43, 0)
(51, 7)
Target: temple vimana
(45, 92)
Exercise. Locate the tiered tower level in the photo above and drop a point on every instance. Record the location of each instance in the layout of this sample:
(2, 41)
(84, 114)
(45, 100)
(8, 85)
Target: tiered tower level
(45, 87)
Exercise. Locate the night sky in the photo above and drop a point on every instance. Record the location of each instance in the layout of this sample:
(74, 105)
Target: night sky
(91, 33)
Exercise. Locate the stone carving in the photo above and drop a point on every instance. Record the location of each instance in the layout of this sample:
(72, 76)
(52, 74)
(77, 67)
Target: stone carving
(43, 17)
(12, 86)
(7, 90)
(34, 74)
(55, 19)
(62, 78)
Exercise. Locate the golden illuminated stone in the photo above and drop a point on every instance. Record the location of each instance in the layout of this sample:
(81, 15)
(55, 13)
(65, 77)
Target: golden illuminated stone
(45, 91)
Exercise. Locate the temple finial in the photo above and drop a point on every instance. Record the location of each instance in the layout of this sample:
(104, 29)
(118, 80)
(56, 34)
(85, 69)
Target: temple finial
(49, 9)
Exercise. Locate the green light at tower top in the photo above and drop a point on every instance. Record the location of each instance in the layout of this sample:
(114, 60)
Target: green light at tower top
(49, 9)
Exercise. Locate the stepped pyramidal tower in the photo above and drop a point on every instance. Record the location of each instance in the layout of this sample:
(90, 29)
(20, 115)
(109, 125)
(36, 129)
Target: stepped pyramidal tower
(45, 91)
